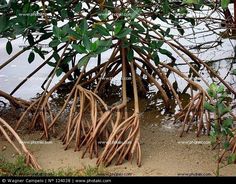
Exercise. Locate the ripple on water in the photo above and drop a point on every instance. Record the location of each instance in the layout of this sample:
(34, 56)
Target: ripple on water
(3, 76)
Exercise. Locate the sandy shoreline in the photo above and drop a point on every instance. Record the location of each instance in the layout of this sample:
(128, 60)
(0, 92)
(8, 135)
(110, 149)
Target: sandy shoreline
(164, 153)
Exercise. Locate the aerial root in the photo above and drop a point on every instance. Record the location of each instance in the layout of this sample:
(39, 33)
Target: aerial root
(194, 112)
(87, 130)
(124, 139)
(122, 143)
(15, 102)
(91, 124)
(29, 158)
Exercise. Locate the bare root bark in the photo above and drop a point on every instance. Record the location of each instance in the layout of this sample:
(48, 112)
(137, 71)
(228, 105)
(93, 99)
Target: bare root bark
(15, 102)
(124, 139)
(30, 159)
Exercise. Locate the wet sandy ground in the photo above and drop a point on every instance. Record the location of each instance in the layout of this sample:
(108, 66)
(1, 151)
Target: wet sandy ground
(164, 153)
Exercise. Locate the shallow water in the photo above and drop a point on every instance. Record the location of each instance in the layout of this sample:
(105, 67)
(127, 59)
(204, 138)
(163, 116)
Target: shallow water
(18, 69)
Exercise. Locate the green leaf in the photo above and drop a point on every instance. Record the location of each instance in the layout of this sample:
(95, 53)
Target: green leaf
(103, 15)
(232, 158)
(39, 52)
(134, 13)
(134, 37)
(103, 31)
(109, 27)
(130, 55)
(209, 107)
(51, 64)
(62, 2)
(118, 27)
(190, 1)
(144, 48)
(3, 23)
(94, 46)
(220, 89)
(31, 57)
(104, 43)
(79, 48)
(156, 26)
(211, 93)
(102, 46)
(225, 3)
(59, 72)
(167, 32)
(213, 86)
(234, 72)
(78, 7)
(56, 56)
(156, 44)
(165, 52)
(123, 33)
(9, 47)
(159, 44)
(30, 39)
(229, 132)
(74, 34)
(86, 42)
(83, 26)
(45, 36)
(84, 60)
(226, 145)
(222, 109)
(165, 7)
(212, 90)
(227, 123)
(183, 10)
(139, 28)
(156, 58)
(26, 8)
(180, 29)
(64, 14)
(56, 31)
(110, 5)
(191, 20)
(31, 20)
(213, 137)
(54, 43)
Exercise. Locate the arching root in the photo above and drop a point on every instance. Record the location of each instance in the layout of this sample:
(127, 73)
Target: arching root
(30, 159)
(194, 112)
(124, 139)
